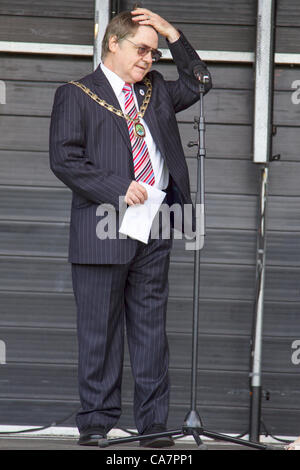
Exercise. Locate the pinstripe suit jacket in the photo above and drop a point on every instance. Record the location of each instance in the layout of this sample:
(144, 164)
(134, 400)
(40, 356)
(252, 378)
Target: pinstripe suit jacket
(90, 151)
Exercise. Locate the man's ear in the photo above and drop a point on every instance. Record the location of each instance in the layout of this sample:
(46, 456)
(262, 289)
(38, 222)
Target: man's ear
(112, 43)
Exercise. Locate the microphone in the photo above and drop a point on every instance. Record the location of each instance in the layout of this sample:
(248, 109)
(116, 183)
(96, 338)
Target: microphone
(199, 71)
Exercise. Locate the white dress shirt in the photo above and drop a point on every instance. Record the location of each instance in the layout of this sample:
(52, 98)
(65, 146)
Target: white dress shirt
(161, 172)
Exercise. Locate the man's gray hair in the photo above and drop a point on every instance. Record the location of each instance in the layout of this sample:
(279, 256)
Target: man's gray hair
(120, 26)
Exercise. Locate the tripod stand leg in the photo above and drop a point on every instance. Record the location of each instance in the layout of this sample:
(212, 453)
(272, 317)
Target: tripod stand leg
(234, 440)
(198, 440)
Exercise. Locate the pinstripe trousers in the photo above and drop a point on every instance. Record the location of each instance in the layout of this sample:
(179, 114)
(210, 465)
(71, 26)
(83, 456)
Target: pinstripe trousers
(108, 297)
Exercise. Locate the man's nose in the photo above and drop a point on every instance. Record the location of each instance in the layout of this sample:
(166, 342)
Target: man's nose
(148, 57)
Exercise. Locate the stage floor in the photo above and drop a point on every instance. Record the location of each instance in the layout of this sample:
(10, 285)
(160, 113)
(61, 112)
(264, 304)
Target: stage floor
(63, 443)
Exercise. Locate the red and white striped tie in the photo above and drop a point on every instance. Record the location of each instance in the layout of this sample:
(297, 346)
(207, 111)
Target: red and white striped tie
(143, 170)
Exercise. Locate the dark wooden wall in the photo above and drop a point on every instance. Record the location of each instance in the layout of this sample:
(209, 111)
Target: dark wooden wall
(37, 322)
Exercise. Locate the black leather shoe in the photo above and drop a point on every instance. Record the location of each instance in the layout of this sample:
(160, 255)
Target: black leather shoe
(159, 441)
(90, 437)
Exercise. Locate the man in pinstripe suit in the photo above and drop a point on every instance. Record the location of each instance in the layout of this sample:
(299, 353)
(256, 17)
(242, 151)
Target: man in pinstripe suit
(118, 281)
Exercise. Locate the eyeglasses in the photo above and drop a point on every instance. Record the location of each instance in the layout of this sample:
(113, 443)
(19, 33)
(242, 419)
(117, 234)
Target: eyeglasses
(144, 50)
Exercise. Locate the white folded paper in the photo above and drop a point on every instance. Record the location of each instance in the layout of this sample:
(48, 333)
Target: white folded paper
(138, 219)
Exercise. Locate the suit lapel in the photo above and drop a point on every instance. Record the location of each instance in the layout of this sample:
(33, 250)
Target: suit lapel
(150, 117)
(104, 90)
(140, 92)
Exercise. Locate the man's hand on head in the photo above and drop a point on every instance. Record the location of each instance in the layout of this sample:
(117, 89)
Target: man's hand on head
(146, 17)
(136, 194)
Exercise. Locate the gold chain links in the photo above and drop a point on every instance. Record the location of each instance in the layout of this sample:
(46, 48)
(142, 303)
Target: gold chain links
(114, 110)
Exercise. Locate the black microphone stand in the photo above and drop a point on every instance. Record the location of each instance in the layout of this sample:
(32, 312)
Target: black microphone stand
(192, 425)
